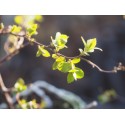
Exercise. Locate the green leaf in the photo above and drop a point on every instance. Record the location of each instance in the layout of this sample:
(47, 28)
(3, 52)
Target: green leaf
(15, 29)
(76, 60)
(55, 65)
(79, 73)
(42, 51)
(54, 56)
(60, 41)
(70, 77)
(60, 64)
(31, 30)
(60, 59)
(90, 46)
(38, 53)
(73, 70)
(20, 85)
(65, 67)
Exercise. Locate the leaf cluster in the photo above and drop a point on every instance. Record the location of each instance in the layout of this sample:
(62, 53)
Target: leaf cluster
(61, 63)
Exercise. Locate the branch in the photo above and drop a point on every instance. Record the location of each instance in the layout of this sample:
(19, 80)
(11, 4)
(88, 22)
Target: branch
(95, 66)
(6, 93)
(50, 47)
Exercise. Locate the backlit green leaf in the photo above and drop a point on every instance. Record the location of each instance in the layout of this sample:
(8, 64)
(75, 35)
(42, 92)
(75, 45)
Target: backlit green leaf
(60, 58)
(76, 60)
(15, 29)
(70, 77)
(60, 41)
(79, 73)
(42, 51)
(38, 53)
(65, 67)
(89, 46)
(72, 70)
(20, 85)
(31, 30)
(55, 65)
(54, 56)
(91, 43)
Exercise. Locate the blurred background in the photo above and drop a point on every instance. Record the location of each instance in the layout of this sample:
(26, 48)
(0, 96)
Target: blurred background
(110, 34)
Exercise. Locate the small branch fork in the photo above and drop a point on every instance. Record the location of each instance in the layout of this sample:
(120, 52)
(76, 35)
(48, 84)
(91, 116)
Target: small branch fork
(9, 56)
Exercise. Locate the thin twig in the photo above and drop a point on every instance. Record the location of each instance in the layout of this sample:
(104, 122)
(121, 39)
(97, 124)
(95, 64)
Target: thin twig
(6, 93)
(95, 66)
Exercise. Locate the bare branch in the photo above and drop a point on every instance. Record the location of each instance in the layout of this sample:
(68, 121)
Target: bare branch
(95, 66)
(6, 93)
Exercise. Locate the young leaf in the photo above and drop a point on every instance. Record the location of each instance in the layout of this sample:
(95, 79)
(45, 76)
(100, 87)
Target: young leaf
(20, 85)
(15, 29)
(90, 46)
(76, 60)
(60, 59)
(60, 41)
(70, 77)
(42, 51)
(79, 73)
(31, 30)
(38, 53)
(65, 67)
(55, 65)
(54, 56)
